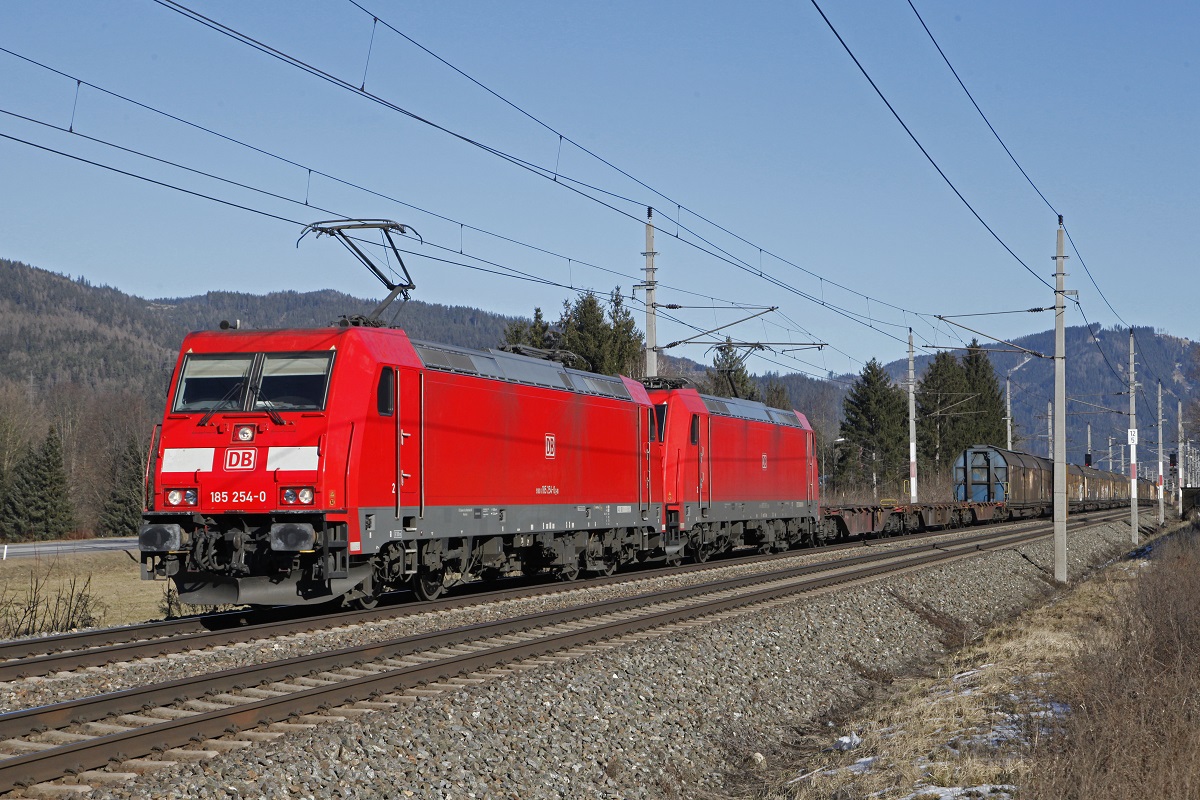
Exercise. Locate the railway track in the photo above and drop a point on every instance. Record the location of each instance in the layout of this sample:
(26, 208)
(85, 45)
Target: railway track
(97, 648)
(194, 719)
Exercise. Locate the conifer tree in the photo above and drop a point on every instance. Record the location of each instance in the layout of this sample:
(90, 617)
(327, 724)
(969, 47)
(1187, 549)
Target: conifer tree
(534, 334)
(944, 406)
(37, 503)
(121, 514)
(57, 513)
(873, 452)
(987, 425)
(728, 376)
(776, 395)
(608, 340)
(19, 498)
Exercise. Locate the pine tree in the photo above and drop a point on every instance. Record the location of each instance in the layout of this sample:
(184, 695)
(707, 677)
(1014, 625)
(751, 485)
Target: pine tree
(987, 425)
(776, 395)
(873, 452)
(728, 376)
(19, 509)
(535, 334)
(607, 340)
(944, 406)
(122, 511)
(57, 513)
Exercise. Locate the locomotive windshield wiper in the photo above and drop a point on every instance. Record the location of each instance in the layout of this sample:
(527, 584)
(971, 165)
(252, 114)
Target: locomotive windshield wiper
(233, 391)
(257, 395)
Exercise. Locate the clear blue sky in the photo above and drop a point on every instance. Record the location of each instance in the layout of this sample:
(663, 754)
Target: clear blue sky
(751, 115)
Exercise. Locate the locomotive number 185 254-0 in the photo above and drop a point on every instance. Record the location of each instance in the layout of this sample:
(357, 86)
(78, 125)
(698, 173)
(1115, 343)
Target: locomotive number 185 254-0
(238, 497)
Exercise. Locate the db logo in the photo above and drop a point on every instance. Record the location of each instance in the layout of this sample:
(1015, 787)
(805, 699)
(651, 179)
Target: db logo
(239, 458)
(550, 446)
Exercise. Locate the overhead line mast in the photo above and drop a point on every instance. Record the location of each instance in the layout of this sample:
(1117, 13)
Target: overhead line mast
(651, 309)
(1060, 412)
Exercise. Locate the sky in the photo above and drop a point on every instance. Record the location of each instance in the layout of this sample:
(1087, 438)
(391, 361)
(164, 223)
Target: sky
(524, 142)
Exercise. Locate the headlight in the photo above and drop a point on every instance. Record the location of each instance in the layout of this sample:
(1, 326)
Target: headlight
(244, 433)
(186, 497)
(293, 495)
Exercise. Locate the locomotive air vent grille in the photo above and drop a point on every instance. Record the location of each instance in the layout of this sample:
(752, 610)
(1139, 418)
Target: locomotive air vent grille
(486, 365)
(433, 358)
(716, 406)
(461, 362)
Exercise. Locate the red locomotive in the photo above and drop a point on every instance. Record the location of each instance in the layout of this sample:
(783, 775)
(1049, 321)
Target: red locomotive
(306, 465)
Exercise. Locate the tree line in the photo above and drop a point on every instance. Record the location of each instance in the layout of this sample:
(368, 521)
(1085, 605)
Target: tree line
(958, 404)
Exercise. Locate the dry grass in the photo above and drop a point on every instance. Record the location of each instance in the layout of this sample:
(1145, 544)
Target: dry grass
(111, 579)
(987, 720)
(1134, 694)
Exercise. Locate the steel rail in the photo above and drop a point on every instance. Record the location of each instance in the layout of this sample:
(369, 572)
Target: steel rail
(56, 761)
(124, 644)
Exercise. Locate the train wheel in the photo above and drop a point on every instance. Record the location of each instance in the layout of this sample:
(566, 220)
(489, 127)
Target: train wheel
(568, 573)
(364, 597)
(427, 584)
(365, 603)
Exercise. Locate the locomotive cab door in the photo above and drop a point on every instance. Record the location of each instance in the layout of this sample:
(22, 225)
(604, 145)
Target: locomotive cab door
(410, 451)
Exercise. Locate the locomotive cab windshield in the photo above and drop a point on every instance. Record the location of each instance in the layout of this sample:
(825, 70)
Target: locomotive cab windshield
(258, 382)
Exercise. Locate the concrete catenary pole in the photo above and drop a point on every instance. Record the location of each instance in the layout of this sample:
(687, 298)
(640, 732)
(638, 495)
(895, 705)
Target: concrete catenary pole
(1008, 408)
(912, 423)
(1110, 454)
(1179, 456)
(1060, 419)
(651, 309)
(1161, 486)
(1050, 429)
(1088, 458)
(1133, 498)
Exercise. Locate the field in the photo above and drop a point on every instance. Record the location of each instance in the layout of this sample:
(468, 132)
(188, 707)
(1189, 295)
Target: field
(66, 591)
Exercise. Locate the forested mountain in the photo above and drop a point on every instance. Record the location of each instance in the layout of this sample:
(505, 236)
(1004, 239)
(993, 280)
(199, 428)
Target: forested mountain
(1097, 379)
(55, 329)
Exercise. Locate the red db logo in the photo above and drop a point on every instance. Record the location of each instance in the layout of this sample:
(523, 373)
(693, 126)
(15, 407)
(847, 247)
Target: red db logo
(239, 458)
(551, 447)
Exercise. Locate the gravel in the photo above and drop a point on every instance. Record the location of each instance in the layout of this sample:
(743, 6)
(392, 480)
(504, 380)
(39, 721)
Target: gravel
(666, 717)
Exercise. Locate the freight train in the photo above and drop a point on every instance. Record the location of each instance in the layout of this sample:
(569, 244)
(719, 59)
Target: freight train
(1024, 483)
(299, 466)
(303, 466)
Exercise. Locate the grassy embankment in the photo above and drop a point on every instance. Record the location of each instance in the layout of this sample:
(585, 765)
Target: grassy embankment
(57, 593)
(1093, 695)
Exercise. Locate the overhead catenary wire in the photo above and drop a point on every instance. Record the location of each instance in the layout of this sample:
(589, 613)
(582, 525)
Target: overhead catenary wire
(1031, 182)
(310, 170)
(544, 172)
(720, 255)
(493, 268)
(921, 147)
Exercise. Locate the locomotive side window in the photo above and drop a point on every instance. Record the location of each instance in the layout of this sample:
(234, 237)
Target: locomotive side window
(293, 382)
(695, 429)
(212, 382)
(660, 412)
(387, 392)
(653, 422)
